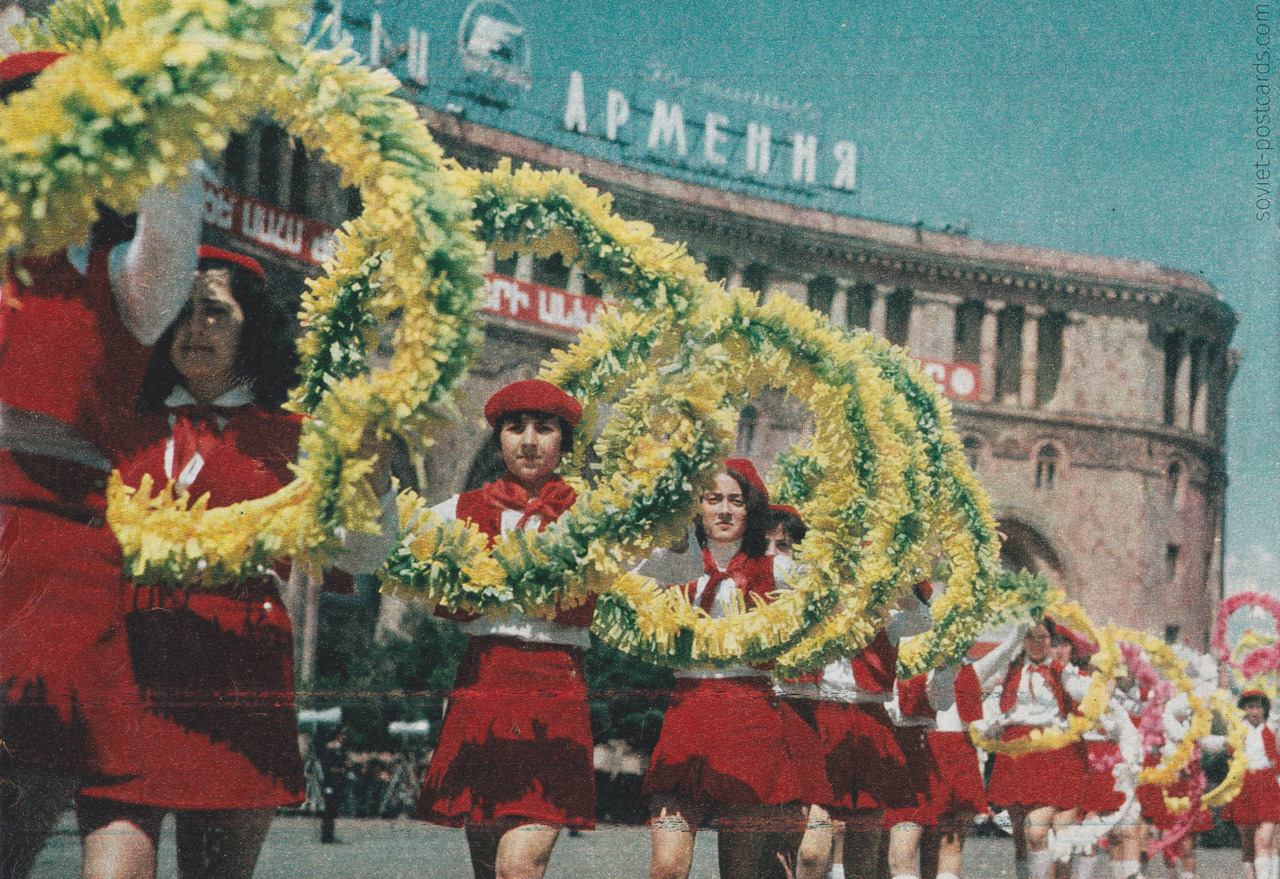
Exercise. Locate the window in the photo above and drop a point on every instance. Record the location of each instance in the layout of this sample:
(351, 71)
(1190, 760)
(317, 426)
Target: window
(1170, 563)
(822, 295)
(1046, 468)
(897, 317)
(1173, 482)
(858, 306)
(506, 266)
(717, 268)
(1009, 356)
(551, 272)
(1049, 356)
(756, 277)
(1173, 346)
(968, 337)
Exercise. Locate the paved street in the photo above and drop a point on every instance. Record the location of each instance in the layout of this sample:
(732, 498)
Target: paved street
(404, 849)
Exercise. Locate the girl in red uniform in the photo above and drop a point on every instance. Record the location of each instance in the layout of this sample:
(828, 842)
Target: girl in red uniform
(219, 744)
(729, 747)
(1041, 789)
(75, 331)
(514, 761)
(1256, 809)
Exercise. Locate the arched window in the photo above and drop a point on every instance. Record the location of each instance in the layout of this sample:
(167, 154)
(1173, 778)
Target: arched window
(1046, 467)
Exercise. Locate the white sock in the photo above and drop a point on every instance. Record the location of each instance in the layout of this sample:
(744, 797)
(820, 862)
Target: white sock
(1084, 866)
(836, 871)
(1040, 864)
(1262, 868)
(947, 876)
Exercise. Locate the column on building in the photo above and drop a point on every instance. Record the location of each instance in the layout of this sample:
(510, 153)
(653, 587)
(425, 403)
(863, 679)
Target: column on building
(989, 349)
(932, 332)
(1030, 355)
(1182, 390)
(879, 306)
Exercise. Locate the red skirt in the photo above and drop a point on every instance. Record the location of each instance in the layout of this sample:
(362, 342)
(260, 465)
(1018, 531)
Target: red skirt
(1044, 778)
(1258, 801)
(865, 764)
(955, 783)
(216, 670)
(1100, 795)
(515, 746)
(70, 703)
(733, 741)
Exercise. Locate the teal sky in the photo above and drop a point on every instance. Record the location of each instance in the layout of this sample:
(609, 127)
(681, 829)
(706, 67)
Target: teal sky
(1122, 128)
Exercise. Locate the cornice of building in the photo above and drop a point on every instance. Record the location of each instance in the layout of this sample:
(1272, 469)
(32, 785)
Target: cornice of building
(911, 251)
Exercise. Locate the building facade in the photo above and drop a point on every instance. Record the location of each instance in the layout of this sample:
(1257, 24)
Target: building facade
(1090, 392)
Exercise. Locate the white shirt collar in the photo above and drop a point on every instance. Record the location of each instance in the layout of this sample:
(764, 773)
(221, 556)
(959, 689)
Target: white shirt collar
(240, 395)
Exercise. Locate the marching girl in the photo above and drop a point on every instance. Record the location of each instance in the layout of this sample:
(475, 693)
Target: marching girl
(728, 748)
(949, 699)
(1042, 789)
(514, 761)
(1256, 809)
(1099, 796)
(913, 710)
(75, 332)
(219, 740)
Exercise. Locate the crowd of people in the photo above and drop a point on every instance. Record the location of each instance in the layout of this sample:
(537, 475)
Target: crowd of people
(145, 352)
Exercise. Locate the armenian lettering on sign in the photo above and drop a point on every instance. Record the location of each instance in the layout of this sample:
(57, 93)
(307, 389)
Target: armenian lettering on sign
(535, 304)
(956, 381)
(275, 229)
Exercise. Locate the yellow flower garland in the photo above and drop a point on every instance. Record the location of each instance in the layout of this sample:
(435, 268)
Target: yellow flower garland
(410, 250)
(1091, 707)
(1226, 791)
(867, 541)
(1165, 661)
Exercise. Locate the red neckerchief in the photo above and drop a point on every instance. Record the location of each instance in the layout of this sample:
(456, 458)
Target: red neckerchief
(194, 429)
(554, 498)
(737, 570)
(1051, 673)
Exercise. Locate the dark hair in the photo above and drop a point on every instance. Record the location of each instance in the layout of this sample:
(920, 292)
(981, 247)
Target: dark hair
(790, 523)
(1259, 699)
(488, 466)
(755, 542)
(267, 358)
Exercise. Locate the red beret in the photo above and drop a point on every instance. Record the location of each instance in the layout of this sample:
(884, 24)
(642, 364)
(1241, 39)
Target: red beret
(247, 262)
(923, 590)
(1253, 694)
(747, 471)
(532, 395)
(786, 508)
(22, 63)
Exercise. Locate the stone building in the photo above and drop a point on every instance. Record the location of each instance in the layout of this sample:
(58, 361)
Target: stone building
(1090, 392)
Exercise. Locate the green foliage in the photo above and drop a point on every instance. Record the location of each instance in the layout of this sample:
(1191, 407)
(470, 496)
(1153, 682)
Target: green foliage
(628, 697)
(400, 677)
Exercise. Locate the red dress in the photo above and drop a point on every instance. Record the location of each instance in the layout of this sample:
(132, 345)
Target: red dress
(515, 746)
(1042, 778)
(865, 765)
(66, 360)
(215, 667)
(731, 740)
(1259, 799)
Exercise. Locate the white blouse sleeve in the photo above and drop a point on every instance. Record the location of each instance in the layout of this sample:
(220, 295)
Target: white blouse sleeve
(151, 274)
